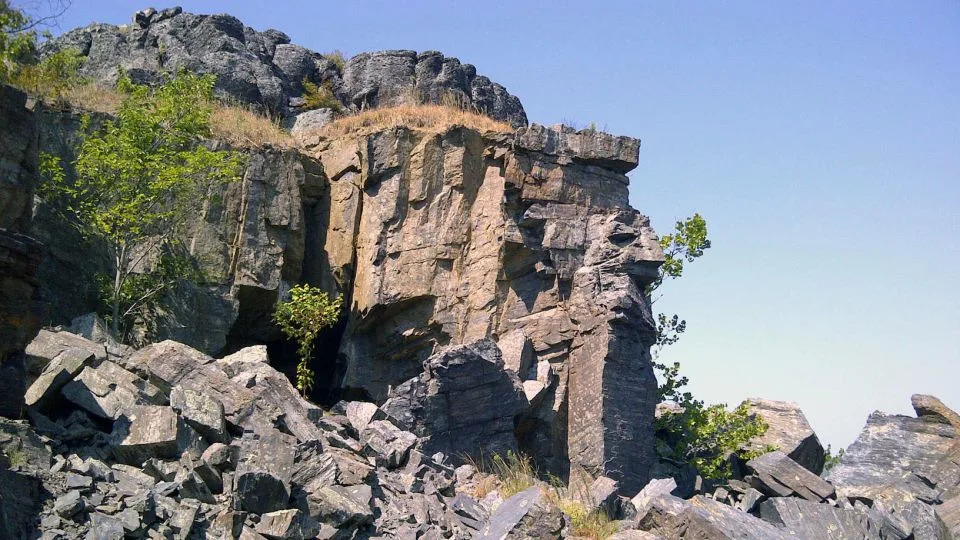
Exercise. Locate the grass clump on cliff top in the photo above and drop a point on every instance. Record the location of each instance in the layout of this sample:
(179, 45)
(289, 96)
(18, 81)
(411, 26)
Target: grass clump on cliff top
(425, 117)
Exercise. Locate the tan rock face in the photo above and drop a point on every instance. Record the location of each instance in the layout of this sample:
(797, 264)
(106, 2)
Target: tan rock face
(451, 237)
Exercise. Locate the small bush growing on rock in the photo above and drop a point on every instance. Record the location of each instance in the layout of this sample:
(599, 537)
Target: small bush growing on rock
(337, 58)
(320, 96)
(52, 78)
(301, 318)
(587, 523)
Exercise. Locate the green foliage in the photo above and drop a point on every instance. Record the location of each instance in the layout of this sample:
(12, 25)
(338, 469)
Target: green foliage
(705, 436)
(685, 245)
(141, 175)
(17, 458)
(320, 96)
(830, 460)
(301, 318)
(337, 58)
(17, 40)
(586, 522)
(52, 77)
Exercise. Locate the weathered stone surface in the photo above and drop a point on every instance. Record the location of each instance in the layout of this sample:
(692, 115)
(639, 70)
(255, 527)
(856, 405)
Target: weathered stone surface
(656, 487)
(202, 412)
(61, 370)
(528, 514)
(393, 77)
(68, 504)
(47, 345)
(805, 519)
(787, 431)
(21, 313)
(619, 154)
(288, 524)
(931, 408)
(170, 364)
(18, 160)
(340, 506)
(776, 474)
(109, 391)
(948, 516)
(265, 70)
(517, 352)
(152, 431)
(705, 519)
(464, 403)
(387, 443)
(894, 456)
(264, 472)
(250, 368)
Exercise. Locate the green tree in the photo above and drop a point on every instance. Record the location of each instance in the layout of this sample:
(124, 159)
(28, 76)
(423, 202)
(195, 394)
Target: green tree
(140, 176)
(18, 35)
(700, 434)
(308, 311)
(52, 77)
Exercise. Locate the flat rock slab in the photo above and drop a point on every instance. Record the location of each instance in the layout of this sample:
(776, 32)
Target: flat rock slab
(777, 475)
(528, 514)
(152, 432)
(109, 391)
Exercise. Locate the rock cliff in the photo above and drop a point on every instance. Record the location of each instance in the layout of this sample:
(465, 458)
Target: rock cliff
(265, 69)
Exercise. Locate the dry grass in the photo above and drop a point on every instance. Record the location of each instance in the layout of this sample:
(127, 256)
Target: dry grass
(236, 124)
(430, 118)
(243, 127)
(586, 523)
(508, 475)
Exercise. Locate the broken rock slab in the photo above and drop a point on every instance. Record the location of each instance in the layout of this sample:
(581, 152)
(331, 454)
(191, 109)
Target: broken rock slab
(705, 518)
(528, 514)
(464, 403)
(201, 412)
(151, 431)
(45, 390)
(108, 391)
(807, 519)
(932, 409)
(787, 431)
(777, 475)
(48, 344)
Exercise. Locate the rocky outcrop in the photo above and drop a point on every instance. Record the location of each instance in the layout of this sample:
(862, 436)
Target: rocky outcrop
(21, 310)
(18, 159)
(787, 431)
(264, 69)
(389, 77)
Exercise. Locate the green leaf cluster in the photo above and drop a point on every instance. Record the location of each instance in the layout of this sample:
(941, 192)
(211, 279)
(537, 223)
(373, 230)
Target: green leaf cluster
(320, 96)
(831, 460)
(17, 41)
(686, 244)
(705, 436)
(52, 77)
(301, 318)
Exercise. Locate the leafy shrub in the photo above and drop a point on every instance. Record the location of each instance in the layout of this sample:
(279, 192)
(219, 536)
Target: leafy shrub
(320, 96)
(705, 436)
(337, 58)
(140, 176)
(52, 78)
(17, 42)
(830, 460)
(301, 318)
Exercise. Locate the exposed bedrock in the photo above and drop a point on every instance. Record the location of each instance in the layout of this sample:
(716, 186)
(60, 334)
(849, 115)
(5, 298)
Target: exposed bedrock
(265, 69)
(435, 239)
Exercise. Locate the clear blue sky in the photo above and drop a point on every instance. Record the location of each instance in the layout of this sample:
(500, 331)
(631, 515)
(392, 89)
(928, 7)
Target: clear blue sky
(821, 140)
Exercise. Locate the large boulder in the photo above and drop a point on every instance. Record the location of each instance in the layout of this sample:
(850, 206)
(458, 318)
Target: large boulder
(787, 431)
(806, 519)
(777, 475)
(464, 402)
(528, 514)
(704, 518)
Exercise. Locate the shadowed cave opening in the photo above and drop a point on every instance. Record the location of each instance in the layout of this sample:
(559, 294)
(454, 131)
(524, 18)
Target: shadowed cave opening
(255, 327)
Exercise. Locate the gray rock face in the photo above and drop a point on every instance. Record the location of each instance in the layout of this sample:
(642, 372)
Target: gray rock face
(894, 456)
(528, 514)
(704, 518)
(264, 69)
(789, 432)
(18, 160)
(806, 519)
(777, 475)
(464, 402)
(391, 77)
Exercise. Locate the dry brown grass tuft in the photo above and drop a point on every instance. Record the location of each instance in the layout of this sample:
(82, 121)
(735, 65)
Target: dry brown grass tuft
(243, 127)
(430, 118)
(90, 97)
